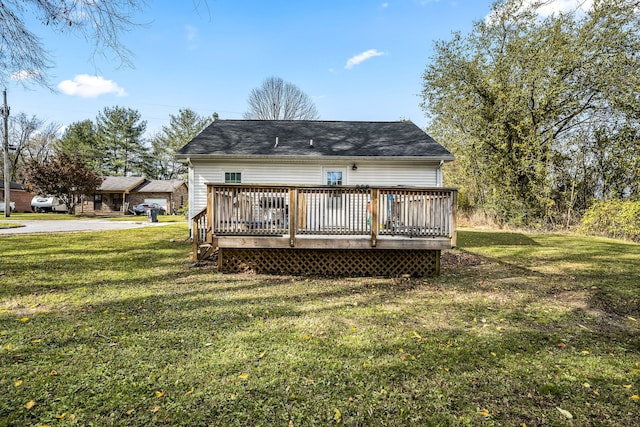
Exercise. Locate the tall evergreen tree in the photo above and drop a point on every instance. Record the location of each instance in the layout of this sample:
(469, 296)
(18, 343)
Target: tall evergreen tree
(119, 132)
(80, 139)
(182, 128)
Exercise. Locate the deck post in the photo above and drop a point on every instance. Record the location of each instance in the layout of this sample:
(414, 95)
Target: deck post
(195, 237)
(454, 221)
(374, 216)
(209, 232)
(293, 215)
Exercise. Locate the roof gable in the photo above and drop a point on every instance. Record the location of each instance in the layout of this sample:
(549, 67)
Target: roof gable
(160, 186)
(120, 184)
(303, 138)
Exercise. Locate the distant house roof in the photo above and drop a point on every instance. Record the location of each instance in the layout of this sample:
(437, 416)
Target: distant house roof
(302, 138)
(13, 185)
(159, 186)
(120, 184)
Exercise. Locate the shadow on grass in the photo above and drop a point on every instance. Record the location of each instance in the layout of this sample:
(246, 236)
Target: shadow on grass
(605, 267)
(63, 262)
(146, 341)
(254, 350)
(473, 239)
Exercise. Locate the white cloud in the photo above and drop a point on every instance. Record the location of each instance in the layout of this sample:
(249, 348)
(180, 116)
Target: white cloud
(361, 57)
(87, 86)
(192, 32)
(24, 75)
(191, 35)
(557, 6)
(384, 5)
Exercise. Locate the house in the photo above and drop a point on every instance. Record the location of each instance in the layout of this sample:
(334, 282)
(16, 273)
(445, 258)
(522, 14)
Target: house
(320, 197)
(117, 195)
(19, 194)
(170, 194)
(112, 197)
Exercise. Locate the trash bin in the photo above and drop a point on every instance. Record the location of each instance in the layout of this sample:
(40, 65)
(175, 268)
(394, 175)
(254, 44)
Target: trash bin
(153, 214)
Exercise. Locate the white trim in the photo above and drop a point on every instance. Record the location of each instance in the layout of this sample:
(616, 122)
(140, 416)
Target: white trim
(341, 169)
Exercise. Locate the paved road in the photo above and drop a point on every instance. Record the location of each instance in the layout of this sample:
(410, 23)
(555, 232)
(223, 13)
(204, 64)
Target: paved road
(61, 226)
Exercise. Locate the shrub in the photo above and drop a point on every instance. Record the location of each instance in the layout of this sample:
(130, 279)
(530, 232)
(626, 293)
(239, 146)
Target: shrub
(613, 218)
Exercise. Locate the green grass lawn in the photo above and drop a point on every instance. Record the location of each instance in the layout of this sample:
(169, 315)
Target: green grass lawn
(52, 216)
(115, 328)
(57, 216)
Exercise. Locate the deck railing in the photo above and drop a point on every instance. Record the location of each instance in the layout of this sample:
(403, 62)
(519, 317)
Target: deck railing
(249, 210)
(324, 211)
(333, 211)
(415, 212)
(201, 233)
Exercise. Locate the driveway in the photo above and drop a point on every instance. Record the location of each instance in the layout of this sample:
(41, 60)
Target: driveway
(68, 225)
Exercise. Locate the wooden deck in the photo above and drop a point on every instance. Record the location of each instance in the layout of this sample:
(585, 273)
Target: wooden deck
(325, 218)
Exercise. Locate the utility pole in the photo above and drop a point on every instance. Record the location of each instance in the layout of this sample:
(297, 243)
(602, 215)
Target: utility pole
(4, 110)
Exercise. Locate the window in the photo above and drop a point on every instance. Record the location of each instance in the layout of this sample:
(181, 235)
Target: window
(232, 177)
(334, 178)
(334, 201)
(97, 202)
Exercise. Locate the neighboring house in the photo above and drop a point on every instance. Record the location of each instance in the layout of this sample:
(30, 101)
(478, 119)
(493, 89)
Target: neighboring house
(19, 194)
(112, 197)
(170, 194)
(318, 193)
(117, 195)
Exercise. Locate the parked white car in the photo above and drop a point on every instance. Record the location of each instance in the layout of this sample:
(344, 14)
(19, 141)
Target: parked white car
(12, 206)
(47, 204)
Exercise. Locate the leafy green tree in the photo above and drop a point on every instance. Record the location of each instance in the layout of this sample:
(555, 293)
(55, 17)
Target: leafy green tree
(511, 98)
(119, 133)
(182, 128)
(63, 176)
(81, 139)
(616, 162)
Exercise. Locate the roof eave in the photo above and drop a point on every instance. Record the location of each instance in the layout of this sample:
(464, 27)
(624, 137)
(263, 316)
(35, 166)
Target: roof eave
(446, 158)
(126, 190)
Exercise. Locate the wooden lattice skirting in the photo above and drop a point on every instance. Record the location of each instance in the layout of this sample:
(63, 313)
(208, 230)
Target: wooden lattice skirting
(329, 262)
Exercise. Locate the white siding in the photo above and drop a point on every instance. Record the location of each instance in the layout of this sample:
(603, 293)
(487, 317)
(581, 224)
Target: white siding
(373, 173)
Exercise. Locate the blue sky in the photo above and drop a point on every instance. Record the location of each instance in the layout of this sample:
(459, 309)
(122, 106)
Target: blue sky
(357, 59)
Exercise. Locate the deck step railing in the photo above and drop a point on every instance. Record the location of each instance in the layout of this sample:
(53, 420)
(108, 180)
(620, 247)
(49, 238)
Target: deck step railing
(201, 235)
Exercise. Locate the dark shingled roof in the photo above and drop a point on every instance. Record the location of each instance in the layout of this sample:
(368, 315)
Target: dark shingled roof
(120, 184)
(159, 186)
(330, 138)
(13, 185)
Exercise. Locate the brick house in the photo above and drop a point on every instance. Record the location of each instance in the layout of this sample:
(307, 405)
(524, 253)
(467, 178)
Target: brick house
(117, 195)
(170, 194)
(19, 194)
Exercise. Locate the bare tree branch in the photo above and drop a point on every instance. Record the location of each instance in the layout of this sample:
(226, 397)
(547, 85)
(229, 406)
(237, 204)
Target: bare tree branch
(280, 100)
(23, 56)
